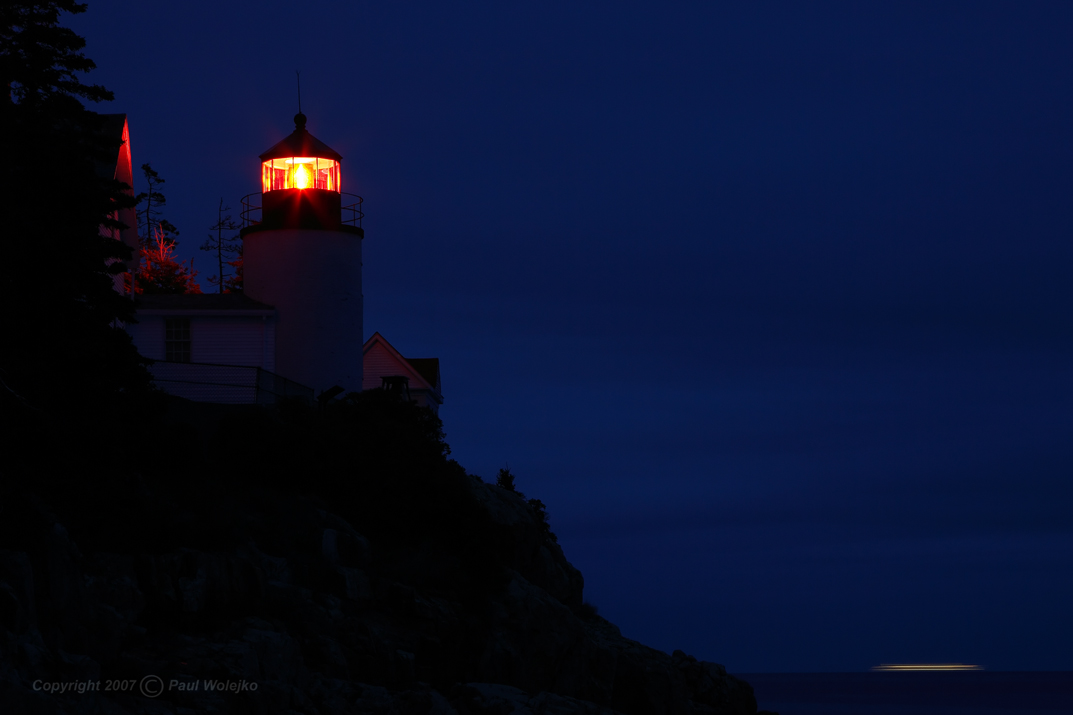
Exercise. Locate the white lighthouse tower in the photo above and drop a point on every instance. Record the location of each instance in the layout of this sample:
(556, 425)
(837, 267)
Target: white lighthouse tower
(303, 257)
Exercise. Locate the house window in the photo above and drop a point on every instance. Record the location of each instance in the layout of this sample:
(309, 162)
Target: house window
(177, 339)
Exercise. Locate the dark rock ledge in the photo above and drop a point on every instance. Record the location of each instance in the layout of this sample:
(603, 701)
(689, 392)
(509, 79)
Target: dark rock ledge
(325, 625)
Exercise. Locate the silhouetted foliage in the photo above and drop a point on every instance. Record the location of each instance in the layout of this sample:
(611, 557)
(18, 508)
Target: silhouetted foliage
(150, 212)
(505, 479)
(227, 247)
(75, 393)
(160, 272)
(381, 463)
(59, 315)
(540, 511)
(39, 60)
(235, 282)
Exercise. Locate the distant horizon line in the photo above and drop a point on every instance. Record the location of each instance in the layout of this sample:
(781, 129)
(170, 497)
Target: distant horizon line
(877, 669)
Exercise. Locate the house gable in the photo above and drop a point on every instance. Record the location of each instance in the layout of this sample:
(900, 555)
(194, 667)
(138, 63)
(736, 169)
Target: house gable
(380, 359)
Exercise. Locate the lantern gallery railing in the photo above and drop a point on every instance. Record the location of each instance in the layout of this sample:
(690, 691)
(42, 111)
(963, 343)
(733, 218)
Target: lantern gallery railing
(351, 208)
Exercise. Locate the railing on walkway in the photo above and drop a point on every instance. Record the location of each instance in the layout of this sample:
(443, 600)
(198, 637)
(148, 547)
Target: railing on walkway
(351, 208)
(225, 384)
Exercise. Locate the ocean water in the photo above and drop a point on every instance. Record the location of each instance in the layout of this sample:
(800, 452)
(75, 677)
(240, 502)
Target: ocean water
(914, 693)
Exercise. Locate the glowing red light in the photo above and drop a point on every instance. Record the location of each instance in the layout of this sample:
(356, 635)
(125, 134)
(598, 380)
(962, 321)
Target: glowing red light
(300, 172)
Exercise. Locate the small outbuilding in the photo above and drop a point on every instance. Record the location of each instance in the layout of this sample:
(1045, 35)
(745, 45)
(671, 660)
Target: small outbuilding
(384, 366)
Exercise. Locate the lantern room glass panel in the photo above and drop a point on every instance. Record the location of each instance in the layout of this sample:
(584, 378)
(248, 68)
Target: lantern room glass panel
(300, 172)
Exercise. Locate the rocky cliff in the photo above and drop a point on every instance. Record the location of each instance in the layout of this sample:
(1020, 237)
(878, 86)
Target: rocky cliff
(268, 600)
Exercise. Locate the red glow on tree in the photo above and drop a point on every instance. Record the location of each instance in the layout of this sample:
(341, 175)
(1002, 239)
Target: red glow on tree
(160, 271)
(233, 283)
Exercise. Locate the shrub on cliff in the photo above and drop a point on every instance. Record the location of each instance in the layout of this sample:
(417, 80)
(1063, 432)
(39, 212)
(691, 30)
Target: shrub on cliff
(505, 480)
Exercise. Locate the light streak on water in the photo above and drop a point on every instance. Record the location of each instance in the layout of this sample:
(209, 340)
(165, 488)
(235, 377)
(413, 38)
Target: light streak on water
(926, 666)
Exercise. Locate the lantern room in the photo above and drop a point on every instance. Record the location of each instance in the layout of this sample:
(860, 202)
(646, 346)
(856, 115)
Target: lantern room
(301, 187)
(301, 161)
(300, 172)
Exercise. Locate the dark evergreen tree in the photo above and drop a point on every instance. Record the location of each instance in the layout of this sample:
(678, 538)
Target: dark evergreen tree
(506, 480)
(59, 312)
(225, 244)
(39, 60)
(150, 212)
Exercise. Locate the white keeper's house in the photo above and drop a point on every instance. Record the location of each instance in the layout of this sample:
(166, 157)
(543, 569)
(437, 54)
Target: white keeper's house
(296, 331)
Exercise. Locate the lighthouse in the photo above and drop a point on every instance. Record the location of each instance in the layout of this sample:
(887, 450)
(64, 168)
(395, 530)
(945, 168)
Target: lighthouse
(295, 329)
(301, 254)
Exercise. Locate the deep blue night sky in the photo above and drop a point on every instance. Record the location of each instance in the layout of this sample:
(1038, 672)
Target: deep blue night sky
(768, 302)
